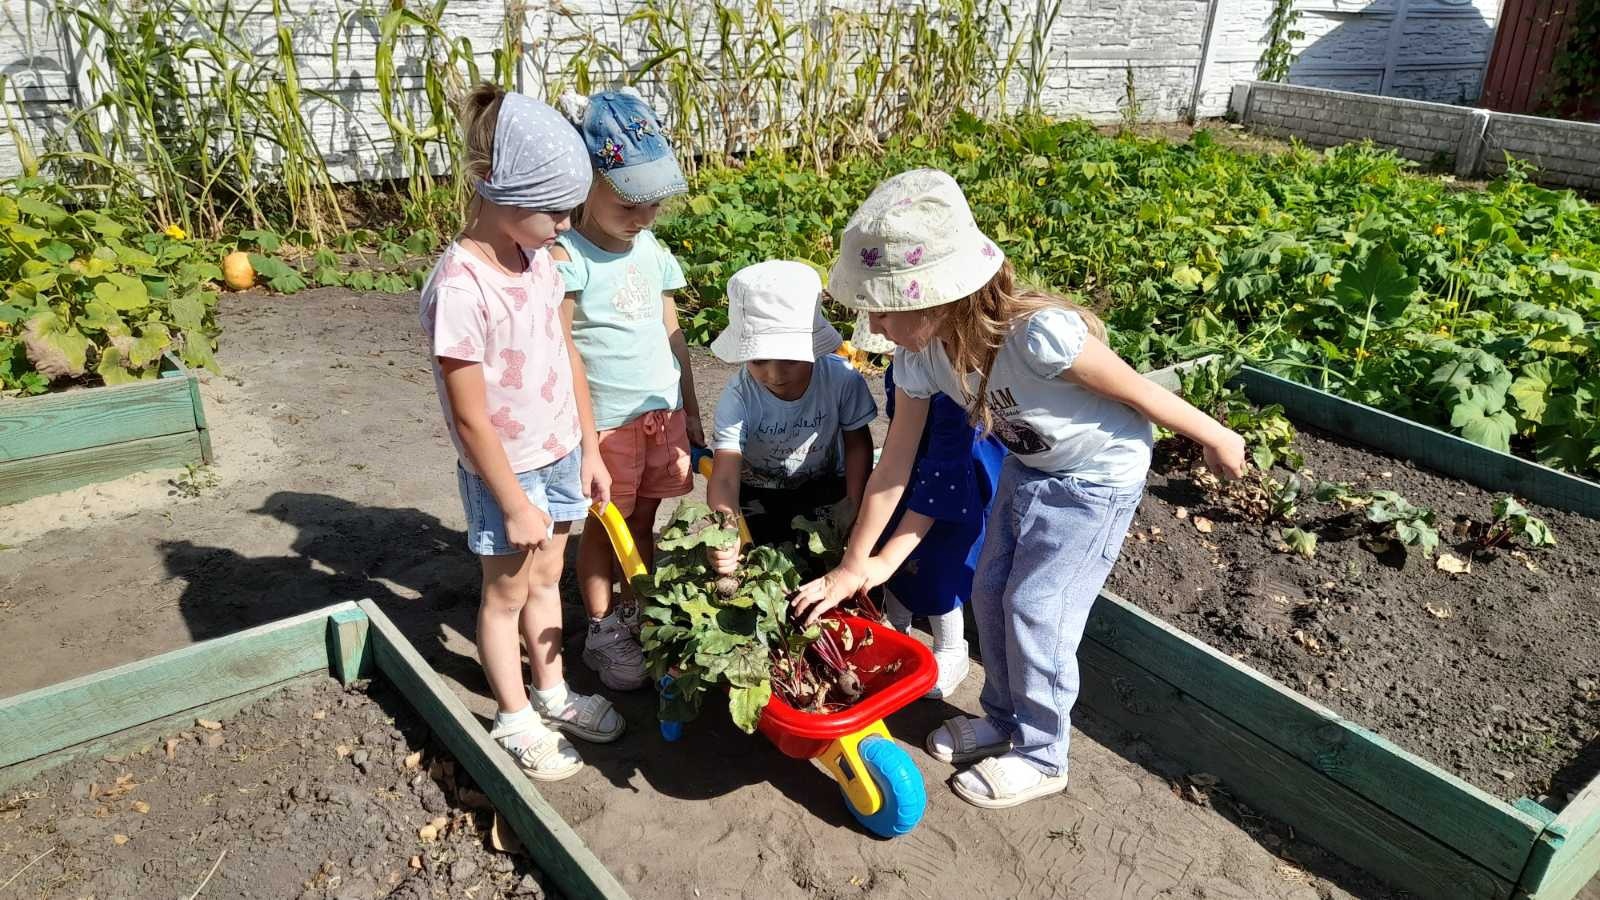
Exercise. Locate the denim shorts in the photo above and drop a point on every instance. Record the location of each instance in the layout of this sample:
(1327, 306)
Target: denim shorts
(557, 489)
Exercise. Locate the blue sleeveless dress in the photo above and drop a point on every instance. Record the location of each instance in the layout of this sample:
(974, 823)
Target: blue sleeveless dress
(952, 482)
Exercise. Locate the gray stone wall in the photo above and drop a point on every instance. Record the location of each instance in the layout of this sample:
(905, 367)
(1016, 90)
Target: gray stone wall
(1426, 132)
(1474, 142)
(1565, 152)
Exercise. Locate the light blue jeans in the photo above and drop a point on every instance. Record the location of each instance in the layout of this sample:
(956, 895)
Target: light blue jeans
(1051, 542)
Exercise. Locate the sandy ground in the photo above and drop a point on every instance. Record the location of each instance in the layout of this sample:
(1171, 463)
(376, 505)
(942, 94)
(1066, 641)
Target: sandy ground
(335, 483)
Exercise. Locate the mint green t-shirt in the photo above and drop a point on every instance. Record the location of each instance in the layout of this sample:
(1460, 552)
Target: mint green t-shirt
(617, 325)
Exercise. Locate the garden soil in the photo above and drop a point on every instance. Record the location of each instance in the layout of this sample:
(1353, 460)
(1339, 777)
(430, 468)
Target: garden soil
(1491, 673)
(316, 793)
(336, 483)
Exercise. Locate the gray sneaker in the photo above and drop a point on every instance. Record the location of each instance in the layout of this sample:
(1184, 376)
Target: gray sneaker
(612, 651)
(629, 615)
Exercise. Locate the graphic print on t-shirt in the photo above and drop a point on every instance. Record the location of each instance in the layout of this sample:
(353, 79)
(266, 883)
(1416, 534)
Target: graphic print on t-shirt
(632, 299)
(787, 444)
(1018, 436)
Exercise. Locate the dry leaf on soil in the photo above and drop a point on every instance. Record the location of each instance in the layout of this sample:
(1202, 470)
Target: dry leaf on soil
(502, 838)
(141, 807)
(1438, 612)
(209, 724)
(1453, 564)
(119, 839)
(1202, 524)
(414, 760)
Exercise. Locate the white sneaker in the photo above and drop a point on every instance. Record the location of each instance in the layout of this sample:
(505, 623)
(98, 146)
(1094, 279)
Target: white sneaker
(954, 666)
(612, 651)
(539, 750)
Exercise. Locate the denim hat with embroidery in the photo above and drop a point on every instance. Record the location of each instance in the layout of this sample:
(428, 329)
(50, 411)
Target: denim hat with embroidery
(627, 145)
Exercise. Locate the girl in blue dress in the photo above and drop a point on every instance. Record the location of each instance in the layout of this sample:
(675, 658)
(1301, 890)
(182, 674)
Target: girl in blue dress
(936, 534)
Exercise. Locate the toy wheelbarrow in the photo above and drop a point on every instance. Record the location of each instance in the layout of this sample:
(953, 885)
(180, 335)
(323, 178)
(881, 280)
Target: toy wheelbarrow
(881, 785)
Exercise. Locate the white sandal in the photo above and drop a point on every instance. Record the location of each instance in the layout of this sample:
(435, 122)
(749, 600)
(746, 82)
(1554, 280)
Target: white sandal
(964, 740)
(1003, 794)
(550, 758)
(588, 717)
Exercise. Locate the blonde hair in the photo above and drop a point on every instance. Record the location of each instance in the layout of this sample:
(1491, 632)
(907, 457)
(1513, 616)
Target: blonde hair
(977, 325)
(479, 114)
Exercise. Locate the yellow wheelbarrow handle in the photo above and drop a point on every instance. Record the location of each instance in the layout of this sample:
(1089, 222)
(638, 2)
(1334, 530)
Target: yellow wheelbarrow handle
(621, 539)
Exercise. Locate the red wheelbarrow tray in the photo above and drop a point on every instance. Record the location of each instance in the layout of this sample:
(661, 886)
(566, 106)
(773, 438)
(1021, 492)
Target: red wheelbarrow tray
(804, 735)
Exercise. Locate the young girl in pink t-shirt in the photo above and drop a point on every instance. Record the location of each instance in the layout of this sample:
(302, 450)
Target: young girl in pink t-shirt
(520, 421)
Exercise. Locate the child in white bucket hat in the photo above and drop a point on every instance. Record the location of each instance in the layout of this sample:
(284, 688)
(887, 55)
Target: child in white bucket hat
(1034, 370)
(790, 432)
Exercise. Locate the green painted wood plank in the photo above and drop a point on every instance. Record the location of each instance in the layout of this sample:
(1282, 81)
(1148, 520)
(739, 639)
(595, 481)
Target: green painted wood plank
(1568, 853)
(40, 475)
(348, 647)
(144, 736)
(1442, 452)
(173, 367)
(555, 846)
(1480, 826)
(1274, 782)
(202, 430)
(59, 716)
(93, 417)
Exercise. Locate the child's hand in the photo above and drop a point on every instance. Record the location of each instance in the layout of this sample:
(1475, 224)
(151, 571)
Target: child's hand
(596, 480)
(1225, 458)
(697, 431)
(528, 528)
(724, 560)
(817, 597)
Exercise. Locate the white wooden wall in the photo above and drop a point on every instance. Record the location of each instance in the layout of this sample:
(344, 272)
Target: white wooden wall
(1422, 49)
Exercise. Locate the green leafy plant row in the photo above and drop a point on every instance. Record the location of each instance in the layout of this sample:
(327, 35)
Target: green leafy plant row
(1469, 310)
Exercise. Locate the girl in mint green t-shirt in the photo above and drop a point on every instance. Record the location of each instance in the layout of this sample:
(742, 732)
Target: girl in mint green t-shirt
(619, 307)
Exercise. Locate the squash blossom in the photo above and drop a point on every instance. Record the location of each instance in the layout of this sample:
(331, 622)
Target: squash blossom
(175, 232)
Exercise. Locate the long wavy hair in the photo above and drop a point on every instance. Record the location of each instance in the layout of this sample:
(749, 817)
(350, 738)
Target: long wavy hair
(977, 325)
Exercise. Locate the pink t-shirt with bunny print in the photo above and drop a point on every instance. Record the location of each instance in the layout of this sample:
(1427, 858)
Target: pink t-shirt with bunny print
(511, 324)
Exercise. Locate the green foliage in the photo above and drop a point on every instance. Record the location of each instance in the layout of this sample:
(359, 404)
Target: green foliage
(705, 638)
(1575, 74)
(1278, 55)
(1267, 432)
(92, 293)
(1300, 541)
(1411, 525)
(1472, 311)
(1512, 521)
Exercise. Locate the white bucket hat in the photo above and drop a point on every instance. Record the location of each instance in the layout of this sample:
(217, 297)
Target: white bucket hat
(775, 312)
(912, 245)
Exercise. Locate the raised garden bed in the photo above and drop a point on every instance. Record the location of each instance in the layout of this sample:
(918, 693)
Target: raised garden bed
(316, 791)
(1357, 793)
(73, 438)
(65, 749)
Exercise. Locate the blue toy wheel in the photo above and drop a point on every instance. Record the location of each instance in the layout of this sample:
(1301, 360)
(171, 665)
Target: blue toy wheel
(905, 797)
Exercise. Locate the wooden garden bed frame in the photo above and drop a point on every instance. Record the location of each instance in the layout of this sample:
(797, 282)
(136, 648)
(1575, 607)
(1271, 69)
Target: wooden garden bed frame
(60, 441)
(1359, 795)
(130, 707)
